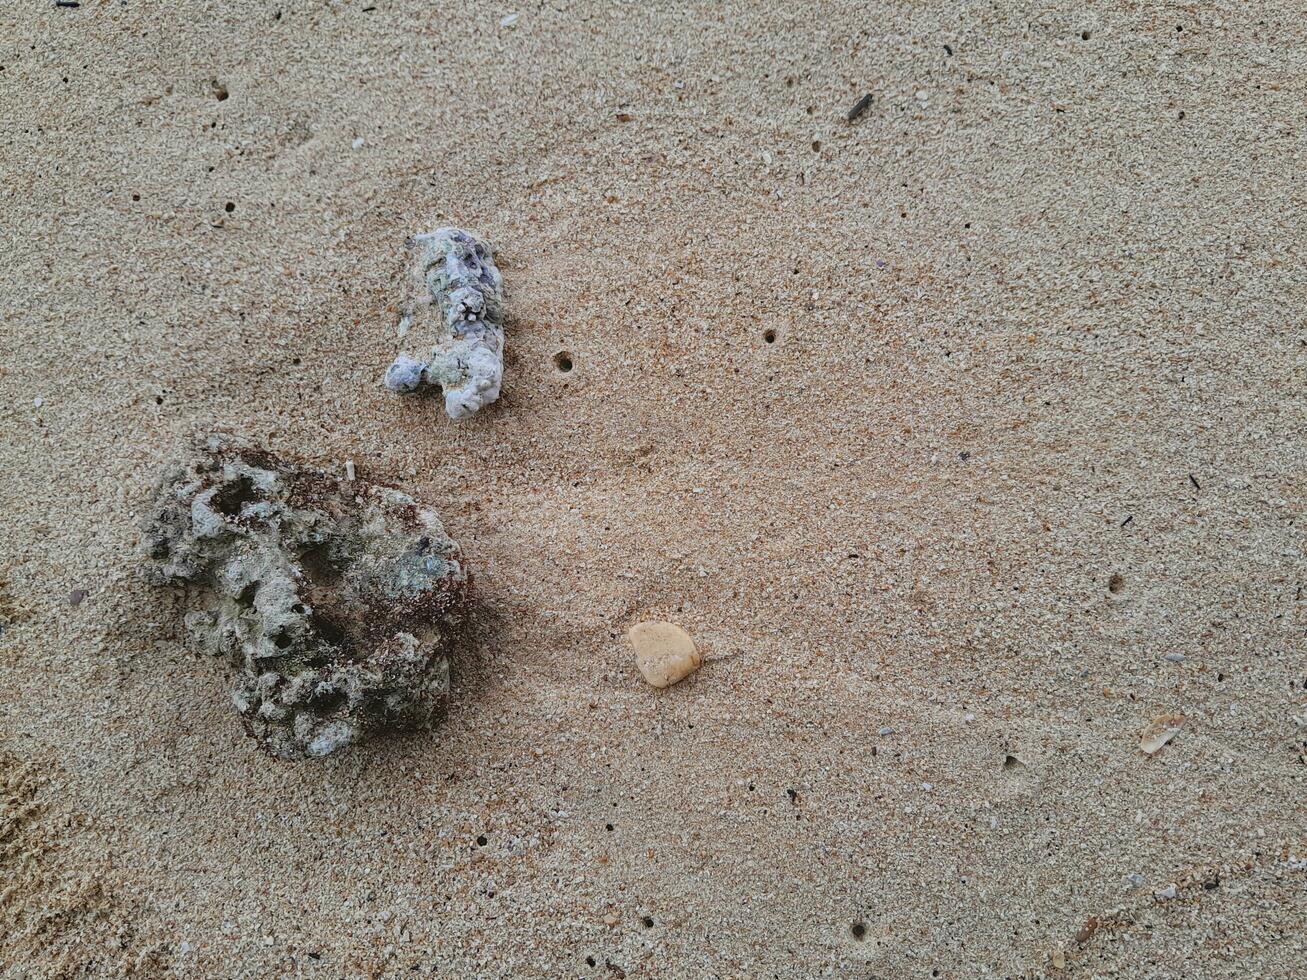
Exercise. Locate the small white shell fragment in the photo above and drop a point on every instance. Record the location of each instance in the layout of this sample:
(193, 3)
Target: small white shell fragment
(664, 653)
(1160, 730)
(1168, 892)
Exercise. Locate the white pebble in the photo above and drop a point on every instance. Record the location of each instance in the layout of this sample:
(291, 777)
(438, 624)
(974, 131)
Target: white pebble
(358, 143)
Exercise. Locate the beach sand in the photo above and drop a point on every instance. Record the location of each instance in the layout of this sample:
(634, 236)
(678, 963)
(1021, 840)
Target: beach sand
(965, 438)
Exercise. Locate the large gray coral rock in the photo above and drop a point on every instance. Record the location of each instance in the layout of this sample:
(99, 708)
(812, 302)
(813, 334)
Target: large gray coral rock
(333, 601)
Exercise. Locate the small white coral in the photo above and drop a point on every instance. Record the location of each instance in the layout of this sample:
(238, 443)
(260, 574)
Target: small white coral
(458, 270)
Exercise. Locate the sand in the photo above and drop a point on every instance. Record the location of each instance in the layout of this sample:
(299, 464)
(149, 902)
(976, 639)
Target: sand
(938, 431)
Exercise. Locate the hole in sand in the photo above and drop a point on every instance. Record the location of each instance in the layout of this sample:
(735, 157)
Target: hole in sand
(769, 336)
(859, 930)
(1116, 583)
(563, 362)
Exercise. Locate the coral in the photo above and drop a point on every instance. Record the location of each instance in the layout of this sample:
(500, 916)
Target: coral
(333, 601)
(458, 275)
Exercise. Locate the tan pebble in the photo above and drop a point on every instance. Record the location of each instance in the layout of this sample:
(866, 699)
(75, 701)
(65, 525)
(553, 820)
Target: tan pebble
(664, 653)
